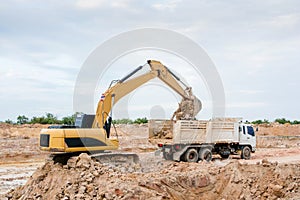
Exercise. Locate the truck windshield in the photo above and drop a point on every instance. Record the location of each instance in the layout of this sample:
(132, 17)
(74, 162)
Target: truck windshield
(250, 130)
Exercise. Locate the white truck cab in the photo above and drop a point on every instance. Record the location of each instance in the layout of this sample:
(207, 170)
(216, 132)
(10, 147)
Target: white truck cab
(247, 136)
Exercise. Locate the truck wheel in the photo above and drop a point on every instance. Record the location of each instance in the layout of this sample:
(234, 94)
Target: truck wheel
(246, 153)
(191, 155)
(205, 154)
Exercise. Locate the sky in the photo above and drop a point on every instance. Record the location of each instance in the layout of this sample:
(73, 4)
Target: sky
(255, 46)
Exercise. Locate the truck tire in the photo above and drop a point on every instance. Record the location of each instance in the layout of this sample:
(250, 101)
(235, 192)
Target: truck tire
(246, 153)
(191, 155)
(205, 154)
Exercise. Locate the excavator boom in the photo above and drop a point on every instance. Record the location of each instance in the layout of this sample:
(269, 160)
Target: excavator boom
(127, 85)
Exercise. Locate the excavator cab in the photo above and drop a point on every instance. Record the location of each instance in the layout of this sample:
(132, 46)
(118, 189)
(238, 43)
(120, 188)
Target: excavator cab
(84, 120)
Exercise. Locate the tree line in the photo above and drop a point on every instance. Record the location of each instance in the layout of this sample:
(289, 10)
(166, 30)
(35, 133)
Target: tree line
(278, 120)
(129, 121)
(49, 118)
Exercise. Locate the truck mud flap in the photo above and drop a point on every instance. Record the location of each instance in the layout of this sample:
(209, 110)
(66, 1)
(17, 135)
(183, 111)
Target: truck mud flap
(178, 154)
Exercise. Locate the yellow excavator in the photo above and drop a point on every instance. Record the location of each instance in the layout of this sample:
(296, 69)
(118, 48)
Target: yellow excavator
(91, 133)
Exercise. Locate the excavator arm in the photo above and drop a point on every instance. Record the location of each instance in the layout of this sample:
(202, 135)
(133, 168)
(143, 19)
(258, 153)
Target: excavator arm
(127, 85)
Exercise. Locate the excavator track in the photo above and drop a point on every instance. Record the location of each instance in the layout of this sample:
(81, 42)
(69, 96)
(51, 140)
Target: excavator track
(109, 158)
(116, 158)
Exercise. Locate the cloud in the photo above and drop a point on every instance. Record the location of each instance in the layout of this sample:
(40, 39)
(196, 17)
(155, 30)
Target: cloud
(121, 3)
(91, 3)
(283, 21)
(96, 4)
(247, 105)
(167, 5)
(255, 45)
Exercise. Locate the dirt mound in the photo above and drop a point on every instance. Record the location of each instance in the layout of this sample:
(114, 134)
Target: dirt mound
(275, 129)
(24, 131)
(19, 143)
(84, 178)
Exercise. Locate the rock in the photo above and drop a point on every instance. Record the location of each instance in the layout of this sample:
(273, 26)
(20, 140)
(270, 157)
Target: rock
(79, 196)
(265, 161)
(89, 180)
(90, 188)
(277, 190)
(81, 190)
(119, 192)
(72, 162)
(84, 161)
(84, 183)
(291, 186)
(236, 177)
(95, 173)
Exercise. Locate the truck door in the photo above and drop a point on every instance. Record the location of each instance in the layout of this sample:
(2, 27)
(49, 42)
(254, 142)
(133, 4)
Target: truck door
(247, 136)
(251, 137)
(243, 135)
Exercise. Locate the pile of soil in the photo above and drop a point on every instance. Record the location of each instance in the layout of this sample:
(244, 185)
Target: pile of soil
(276, 129)
(24, 131)
(85, 178)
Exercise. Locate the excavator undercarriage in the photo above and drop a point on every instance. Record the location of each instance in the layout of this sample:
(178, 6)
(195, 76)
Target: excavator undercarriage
(108, 158)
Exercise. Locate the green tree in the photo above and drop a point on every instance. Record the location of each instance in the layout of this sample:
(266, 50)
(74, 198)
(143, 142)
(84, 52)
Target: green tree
(122, 121)
(265, 121)
(69, 120)
(257, 122)
(141, 120)
(282, 121)
(8, 121)
(37, 120)
(295, 122)
(22, 119)
(48, 119)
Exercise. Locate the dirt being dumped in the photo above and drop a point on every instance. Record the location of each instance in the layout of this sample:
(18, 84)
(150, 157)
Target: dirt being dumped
(85, 178)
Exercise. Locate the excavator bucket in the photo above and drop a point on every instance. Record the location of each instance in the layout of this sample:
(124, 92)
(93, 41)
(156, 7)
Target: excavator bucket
(197, 105)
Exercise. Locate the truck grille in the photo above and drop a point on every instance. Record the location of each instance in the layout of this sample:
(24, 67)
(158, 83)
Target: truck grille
(44, 140)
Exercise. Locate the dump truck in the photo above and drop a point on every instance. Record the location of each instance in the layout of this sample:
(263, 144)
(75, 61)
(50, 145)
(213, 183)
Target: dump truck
(195, 140)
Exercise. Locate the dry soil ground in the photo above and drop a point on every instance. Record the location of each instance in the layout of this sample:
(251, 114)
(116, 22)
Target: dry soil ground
(272, 173)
